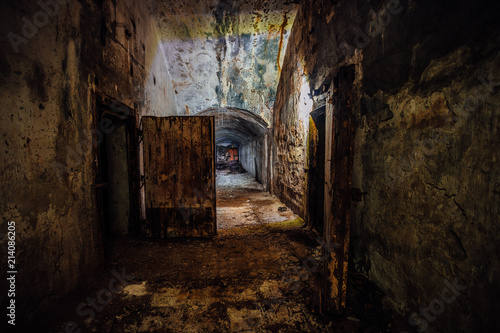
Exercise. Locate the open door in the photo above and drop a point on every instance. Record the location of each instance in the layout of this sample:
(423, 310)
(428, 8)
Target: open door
(179, 176)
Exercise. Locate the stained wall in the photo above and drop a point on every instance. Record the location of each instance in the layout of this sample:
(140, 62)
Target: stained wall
(426, 104)
(60, 57)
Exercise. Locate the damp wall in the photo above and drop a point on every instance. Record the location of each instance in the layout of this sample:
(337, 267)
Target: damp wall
(426, 103)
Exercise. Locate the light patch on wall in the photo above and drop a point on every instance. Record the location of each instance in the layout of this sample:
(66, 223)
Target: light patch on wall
(160, 99)
(224, 55)
(305, 105)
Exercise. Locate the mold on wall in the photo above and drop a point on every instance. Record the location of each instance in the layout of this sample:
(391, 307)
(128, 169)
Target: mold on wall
(53, 62)
(427, 107)
(224, 54)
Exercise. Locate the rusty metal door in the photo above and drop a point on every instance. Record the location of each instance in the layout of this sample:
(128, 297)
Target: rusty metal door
(339, 156)
(179, 176)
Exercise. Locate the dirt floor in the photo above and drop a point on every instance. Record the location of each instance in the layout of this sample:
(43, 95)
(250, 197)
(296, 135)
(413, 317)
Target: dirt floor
(260, 276)
(241, 201)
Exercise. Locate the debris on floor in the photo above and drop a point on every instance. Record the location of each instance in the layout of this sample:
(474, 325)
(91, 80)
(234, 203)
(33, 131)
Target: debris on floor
(250, 279)
(241, 201)
(263, 276)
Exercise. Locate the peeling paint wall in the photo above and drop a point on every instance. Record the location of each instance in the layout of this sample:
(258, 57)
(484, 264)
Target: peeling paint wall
(47, 89)
(426, 154)
(224, 54)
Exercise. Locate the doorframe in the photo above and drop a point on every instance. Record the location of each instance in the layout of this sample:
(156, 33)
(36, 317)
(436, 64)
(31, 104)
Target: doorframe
(340, 127)
(104, 104)
(313, 168)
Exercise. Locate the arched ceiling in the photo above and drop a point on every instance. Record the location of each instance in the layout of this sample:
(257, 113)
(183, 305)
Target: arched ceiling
(236, 126)
(224, 53)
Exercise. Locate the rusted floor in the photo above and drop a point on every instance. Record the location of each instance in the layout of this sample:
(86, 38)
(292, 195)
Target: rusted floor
(246, 279)
(241, 201)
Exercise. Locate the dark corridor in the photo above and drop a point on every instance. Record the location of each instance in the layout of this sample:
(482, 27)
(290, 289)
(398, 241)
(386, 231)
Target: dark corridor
(357, 188)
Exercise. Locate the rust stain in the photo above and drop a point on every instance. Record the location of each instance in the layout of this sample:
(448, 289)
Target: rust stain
(258, 19)
(436, 115)
(282, 30)
(179, 177)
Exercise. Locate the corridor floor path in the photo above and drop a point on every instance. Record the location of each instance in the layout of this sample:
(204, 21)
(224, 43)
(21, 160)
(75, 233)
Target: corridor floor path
(241, 201)
(251, 278)
(243, 280)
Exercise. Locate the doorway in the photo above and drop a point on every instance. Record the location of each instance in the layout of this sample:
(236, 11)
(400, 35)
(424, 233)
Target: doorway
(316, 170)
(116, 167)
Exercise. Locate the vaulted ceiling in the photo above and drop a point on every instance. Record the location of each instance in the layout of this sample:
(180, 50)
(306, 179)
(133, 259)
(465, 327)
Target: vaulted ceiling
(224, 53)
(236, 126)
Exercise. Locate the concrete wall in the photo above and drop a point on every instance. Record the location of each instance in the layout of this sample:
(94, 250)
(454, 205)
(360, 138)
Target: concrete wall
(427, 106)
(47, 86)
(159, 95)
(290, 130)
(224, 54)
(254, 159)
